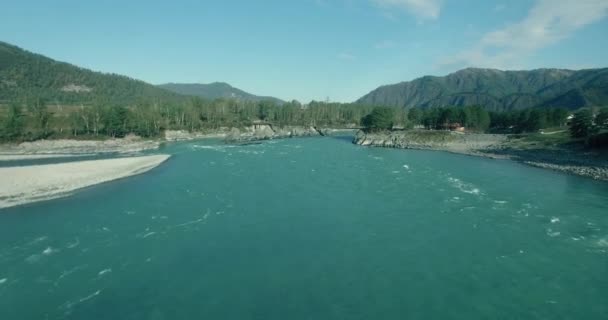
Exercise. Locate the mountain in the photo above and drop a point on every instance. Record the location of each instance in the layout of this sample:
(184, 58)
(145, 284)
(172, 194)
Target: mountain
(498, 90)
(214, 90)
(24, 74)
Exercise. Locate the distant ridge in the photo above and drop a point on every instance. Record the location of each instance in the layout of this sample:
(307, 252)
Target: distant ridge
(498, 90)
(24, 74)
(215, 90)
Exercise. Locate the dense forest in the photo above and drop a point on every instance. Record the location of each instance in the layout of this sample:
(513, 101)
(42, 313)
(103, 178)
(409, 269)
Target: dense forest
(37, 119)
(587, 125)
(24, 74)
(216, 90)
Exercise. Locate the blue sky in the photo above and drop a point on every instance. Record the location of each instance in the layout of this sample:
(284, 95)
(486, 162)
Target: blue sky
(309, 49)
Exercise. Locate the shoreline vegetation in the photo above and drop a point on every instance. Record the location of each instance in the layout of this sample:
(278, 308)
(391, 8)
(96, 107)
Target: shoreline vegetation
(28, 184)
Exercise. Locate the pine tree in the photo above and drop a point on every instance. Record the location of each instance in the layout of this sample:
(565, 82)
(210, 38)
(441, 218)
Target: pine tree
(381, 118)
(13, 124)
(581, 125)
(601, 119)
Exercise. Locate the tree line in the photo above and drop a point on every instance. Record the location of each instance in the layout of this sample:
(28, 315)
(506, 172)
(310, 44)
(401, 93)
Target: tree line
(36, 119)
(472, 118)
(591, 126)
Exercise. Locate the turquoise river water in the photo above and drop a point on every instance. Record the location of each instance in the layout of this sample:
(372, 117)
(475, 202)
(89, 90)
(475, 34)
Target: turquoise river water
(313, 228)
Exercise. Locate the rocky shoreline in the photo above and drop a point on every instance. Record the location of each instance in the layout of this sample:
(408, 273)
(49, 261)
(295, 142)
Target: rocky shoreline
(594, 172)
(249, 133)
(489, 146)
(430, 140)
(268, 132)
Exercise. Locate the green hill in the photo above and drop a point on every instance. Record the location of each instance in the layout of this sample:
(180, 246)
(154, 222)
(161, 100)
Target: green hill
(215, 90)
(24, 74)
(498, 90)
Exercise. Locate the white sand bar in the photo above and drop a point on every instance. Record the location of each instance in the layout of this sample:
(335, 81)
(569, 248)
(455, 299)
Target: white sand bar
(20, 185)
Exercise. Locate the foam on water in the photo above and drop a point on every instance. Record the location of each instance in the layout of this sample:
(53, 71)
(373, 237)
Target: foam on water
(551, 233)
(33, 258)
(191, 222)
(463, 186)
(104, 271)
(467, 209)
(3, 280)
(149, 234)
(49, 251)
(91, 296)
(69, 272)
(219, 148)
(73, 245)
(37, 240)
(256, 152)
(70, 304)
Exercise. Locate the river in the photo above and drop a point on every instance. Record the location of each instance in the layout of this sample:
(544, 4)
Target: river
(313, 228)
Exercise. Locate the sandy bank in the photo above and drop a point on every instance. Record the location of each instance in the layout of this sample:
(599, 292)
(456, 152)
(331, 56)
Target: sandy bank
(20, 185)
(42, 149)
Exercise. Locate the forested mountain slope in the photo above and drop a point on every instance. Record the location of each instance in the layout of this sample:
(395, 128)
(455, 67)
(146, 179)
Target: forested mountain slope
(498, 90)
(24, 74)
(215, 90)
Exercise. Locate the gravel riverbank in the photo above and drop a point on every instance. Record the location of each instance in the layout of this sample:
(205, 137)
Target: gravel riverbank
(44, 149)
(20, 185)
(586, 164)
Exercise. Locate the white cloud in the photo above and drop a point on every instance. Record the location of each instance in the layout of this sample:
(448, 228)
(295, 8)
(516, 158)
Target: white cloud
(547, 23)
(346, 56)
(423, 9)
